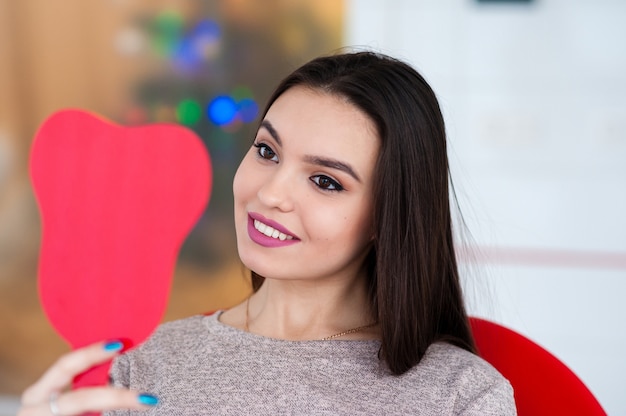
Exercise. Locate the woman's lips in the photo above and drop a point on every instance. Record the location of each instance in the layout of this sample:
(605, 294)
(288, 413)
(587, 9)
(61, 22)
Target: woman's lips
(278, 236)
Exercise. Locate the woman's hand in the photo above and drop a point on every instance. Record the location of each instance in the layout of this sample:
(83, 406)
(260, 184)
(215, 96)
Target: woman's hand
(47, 397)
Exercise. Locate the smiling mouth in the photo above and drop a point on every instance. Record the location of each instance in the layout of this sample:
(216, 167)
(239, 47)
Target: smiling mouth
(270, 231)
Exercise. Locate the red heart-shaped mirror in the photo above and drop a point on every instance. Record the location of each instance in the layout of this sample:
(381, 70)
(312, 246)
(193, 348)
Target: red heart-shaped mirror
(116, 204)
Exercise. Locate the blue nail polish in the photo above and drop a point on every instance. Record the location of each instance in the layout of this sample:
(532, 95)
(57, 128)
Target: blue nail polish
(112, 346)
(148, 399)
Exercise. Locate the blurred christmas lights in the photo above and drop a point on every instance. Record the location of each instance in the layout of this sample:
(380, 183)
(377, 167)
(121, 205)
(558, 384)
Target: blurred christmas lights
(222, 110)
(191, 50)
(188, 112)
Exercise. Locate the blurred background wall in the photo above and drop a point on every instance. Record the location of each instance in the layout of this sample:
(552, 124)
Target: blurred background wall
(533, 92)
(209, 65)
(534, 95)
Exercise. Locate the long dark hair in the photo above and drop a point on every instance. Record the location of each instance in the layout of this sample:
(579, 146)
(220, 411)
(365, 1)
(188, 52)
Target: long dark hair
(413, 279)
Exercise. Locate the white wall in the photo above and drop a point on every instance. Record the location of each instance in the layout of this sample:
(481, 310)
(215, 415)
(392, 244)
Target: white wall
(535, 101)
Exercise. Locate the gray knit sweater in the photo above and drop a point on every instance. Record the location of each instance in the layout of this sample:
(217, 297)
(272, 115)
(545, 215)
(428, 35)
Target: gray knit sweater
(199, 366)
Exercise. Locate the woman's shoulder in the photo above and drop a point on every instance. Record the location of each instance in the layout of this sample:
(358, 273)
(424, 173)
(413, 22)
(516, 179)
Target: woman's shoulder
(191, 323)
(478, 387)
(174, 334)
(449, 362)
(180, 326)
(459, 361)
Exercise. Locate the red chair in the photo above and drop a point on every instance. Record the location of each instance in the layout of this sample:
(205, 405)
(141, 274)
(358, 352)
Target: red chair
(543, 385)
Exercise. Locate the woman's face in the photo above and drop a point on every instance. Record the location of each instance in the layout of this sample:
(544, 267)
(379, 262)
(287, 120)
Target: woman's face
(303, 192)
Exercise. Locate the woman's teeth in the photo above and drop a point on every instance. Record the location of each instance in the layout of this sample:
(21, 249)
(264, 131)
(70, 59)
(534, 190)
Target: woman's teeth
(271, 232)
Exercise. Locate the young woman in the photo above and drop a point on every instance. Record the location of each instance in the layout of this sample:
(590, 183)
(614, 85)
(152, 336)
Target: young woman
(342, 214)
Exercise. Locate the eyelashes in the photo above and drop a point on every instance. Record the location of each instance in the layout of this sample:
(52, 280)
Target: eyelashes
(323, 182)
(326, 183)
(266, 152)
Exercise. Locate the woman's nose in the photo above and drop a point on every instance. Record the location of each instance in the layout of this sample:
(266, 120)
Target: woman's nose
(277, 189)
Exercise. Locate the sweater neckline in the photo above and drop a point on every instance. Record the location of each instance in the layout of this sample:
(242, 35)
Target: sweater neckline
(234, 335)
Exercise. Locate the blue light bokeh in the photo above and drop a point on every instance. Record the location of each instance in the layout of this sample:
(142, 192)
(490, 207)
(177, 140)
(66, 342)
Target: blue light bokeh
(222, 110)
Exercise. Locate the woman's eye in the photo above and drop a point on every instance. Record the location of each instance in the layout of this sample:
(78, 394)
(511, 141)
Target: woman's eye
(326, 183)
(266, 152)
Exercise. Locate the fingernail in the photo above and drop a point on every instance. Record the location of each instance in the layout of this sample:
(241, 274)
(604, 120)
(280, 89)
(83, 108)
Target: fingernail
(112, 346)
(148, 399)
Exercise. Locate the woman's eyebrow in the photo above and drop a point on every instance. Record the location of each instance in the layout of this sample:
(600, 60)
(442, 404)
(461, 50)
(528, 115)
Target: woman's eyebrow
(315, 160)
(333, 164)
(272, 131)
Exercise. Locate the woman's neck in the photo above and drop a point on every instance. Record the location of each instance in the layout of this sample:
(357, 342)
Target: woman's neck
(305, 310)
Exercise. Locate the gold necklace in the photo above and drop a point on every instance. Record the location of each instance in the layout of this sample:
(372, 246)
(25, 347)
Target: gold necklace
(349, 331)
(340, 334)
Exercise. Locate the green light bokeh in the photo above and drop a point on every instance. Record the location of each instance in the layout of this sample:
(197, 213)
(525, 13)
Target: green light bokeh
(188, 112)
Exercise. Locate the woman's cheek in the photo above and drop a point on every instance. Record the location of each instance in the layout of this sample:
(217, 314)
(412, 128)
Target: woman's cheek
(241, 179)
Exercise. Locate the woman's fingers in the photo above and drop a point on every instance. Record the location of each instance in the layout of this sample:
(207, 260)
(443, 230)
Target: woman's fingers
(60, 374)
(99, 399)
(44, 398)
(91, 399)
